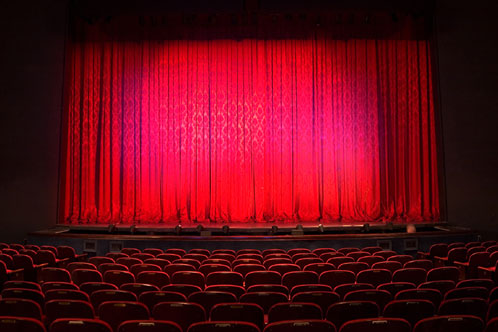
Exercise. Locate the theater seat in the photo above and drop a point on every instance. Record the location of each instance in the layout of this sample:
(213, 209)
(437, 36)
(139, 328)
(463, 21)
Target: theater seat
(48, 286)
(136, 269)
(21, 293)
(138, 288)
(410, 310)
(150, 299)
(66, 294)
(403, 259)
(97, 260)
(342, 312)
(182, 313)
(466, 306)
(291, 279)
(453, 323)
(101, 296)
(156, 278)
(458, 293)
(425, 264)
(262, 278)
(116, 312)
(90, 287)
(337, 277)
(208, 299)
(443, 286)
(79, 325)
(189, 278)
(443, 273)
(307, 325)
(22, 284)
(149, 326)
(20, 324)
(244, 312)
(376, 325)
(81, 276)
(119, 278)
(296, 310)
(225, 278)
(413, 275)
(224, 326)
(380, 297)
(374, 277)
(432, 295)
(371, 260)
(68, 309)
(20, 308)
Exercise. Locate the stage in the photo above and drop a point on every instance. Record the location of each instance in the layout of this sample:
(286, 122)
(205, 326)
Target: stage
(100, 239)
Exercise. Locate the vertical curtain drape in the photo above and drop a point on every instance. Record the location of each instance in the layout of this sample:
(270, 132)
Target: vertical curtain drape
(250, 130)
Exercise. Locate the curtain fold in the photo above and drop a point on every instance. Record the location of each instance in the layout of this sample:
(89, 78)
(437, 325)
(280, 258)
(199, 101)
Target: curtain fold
(250, 130)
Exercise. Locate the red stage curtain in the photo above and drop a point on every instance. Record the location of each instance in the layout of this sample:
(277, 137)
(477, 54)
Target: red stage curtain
(243, 130)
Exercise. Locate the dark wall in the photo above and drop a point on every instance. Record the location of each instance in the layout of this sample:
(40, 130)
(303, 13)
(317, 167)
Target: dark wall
(32, 36)
(31, 69)
(467, 36)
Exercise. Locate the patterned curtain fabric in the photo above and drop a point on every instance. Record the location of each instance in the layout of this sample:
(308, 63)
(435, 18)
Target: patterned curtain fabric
(250, 130)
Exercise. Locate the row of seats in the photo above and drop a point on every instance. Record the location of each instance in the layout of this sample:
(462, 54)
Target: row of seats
(177, 273)
(221, 306)
(98, 292)
(14, 256)
(414, 303)
(463, 323)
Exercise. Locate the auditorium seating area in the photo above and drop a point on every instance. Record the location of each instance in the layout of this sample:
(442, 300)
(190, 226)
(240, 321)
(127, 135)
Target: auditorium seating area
(452, 287)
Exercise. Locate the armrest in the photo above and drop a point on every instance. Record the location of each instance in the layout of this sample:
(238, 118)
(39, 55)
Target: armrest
(487, 269)
(40, 266)
(17, 274)
(12, 272)
(62, 262)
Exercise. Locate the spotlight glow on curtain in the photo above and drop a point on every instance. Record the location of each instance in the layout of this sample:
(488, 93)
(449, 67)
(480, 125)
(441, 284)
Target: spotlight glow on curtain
(264, 130)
